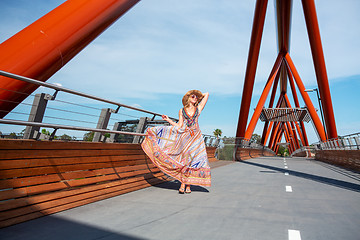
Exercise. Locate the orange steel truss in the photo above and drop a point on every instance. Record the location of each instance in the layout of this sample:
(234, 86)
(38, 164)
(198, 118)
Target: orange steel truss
(284, 73)
(44, 47)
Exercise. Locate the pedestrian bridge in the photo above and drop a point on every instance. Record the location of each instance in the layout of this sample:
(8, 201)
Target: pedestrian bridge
(105, 187)
(263, 198)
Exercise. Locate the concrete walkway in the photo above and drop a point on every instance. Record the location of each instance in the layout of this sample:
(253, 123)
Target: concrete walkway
(263, 198)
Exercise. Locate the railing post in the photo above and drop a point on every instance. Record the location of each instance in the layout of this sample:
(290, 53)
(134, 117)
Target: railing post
(357, 142)
(205, 140)
(102, 123)
(211, 140)
(140, 129)
(217, 142)
(117, 127)
(36, 115)
(349, 141)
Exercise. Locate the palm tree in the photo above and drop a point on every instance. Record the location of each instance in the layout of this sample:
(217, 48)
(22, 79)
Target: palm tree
(217, 132)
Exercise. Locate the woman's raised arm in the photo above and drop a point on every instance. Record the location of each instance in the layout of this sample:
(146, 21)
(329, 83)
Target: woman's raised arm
(203, 102)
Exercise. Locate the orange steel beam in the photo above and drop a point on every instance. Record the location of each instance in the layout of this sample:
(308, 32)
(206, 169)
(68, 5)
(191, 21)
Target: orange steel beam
(283, 22)
(272, 98)
(276, 125)
(260, 105)
(292, 136)
(319, 65)
(316, 120)
(274, 131)
(45, 46)
(302, 134)
(288, 139)
(278, 134)
(255, 42)
(278, 138)
(293, 130)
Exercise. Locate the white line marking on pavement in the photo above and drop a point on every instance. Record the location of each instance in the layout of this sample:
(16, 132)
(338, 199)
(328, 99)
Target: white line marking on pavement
(286, 166)
(286, 174)
(294, 235)
(288, 189)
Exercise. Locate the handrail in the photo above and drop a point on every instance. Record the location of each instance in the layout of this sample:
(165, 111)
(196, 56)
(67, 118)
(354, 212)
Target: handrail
(57, 126)
(59, 88)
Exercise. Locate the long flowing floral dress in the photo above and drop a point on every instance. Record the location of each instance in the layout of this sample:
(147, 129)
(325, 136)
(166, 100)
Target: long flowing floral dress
(180, 152)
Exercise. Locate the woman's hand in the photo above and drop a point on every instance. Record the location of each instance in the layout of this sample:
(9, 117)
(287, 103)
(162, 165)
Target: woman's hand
(166, 118)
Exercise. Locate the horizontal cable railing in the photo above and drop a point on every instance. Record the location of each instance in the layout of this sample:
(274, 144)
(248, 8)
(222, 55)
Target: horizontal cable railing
(60, 88)
(92, 115)
(346, 142)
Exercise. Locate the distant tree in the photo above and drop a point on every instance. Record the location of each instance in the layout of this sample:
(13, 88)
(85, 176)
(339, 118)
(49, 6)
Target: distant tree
(21, 134)
(256, 138)
(283, 151)
(46, 132)
(13, 135)
(217, 132)
(89, 136)
(65, 137)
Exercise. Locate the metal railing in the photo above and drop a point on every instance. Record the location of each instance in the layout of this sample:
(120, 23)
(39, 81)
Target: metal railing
(127, 130)
(67, 90)
(346, 142)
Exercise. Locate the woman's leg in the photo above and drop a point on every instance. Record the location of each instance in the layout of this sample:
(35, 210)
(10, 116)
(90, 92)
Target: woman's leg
(182, 188)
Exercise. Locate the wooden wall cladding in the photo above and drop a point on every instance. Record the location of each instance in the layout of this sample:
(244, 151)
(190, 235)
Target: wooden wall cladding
(38, 178)
(248, 153)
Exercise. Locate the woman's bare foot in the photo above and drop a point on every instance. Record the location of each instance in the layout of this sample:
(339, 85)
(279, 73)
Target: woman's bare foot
(182, 188)
(188, 190)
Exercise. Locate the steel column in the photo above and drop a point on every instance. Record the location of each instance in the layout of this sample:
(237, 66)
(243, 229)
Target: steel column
(319, 65)
(255, 42)
(318, 125)
(271, 103)
(260, 105)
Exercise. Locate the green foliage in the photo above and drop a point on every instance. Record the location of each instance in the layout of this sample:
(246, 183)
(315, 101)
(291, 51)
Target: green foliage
(283, 151)
(65, 137)
(256, 138)
(217, 132)
(89, 136)
(46, 132)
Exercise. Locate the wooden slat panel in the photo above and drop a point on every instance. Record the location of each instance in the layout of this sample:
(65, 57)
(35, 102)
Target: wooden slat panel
(40, 177)
(11, 173)
(59, 145)
(63, 207)
(38, 189)
(35, 162)
(34, 153)
(64, 200)
(15, 203)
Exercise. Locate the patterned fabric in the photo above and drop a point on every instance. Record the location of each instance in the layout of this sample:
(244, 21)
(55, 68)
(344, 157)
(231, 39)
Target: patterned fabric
(180, 152)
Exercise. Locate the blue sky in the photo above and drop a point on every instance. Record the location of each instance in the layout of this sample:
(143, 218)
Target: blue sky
(160, 49)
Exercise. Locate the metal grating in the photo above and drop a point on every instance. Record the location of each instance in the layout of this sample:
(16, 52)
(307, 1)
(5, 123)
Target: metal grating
(285, 115)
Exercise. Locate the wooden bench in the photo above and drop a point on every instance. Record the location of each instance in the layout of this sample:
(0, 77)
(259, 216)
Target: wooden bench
(38, 178)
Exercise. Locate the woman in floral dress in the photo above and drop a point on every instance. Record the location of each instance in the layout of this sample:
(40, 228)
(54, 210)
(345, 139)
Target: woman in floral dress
(179, 150)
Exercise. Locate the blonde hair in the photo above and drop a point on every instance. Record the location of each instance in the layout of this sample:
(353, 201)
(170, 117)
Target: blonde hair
(185, 99)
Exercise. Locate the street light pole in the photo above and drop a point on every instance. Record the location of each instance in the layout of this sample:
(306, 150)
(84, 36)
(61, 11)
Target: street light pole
(319, 100)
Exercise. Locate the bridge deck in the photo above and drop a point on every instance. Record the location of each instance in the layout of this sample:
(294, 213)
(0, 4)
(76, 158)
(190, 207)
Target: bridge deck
(248, 200)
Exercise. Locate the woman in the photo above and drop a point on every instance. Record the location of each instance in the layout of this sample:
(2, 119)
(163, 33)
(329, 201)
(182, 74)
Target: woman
(179, 150)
